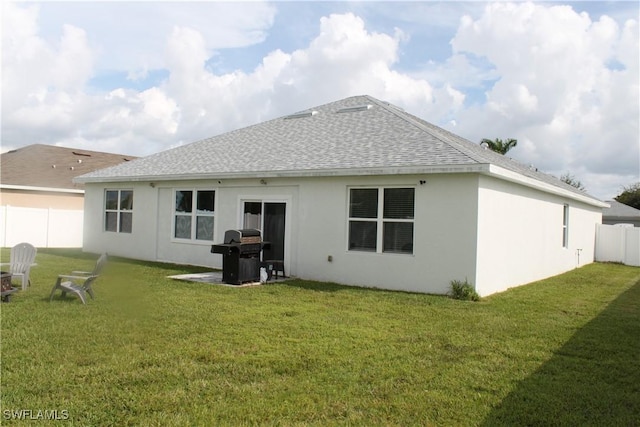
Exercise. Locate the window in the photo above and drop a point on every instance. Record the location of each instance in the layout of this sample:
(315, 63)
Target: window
(381, 219)
(252, 215)
(194, 214)
(363, 219)
(118, 207)
(565, 226)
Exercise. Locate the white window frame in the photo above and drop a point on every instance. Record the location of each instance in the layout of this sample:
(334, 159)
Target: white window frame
(565, 226)
(193, 215)
(380, 220)
(118, 210)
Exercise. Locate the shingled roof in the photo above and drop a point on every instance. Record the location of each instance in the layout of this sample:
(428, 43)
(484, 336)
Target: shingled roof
(48, 166)
(355, 136)
(620, 211)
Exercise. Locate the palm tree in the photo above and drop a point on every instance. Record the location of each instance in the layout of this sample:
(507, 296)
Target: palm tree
(498, 145)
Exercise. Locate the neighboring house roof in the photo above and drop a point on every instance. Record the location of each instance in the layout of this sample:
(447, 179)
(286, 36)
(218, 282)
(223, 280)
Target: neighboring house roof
(354, 136)
(45, 167)
(619, 211)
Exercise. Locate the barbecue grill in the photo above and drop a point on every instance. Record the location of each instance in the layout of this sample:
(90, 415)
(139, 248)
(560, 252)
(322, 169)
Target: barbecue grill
(240, 255)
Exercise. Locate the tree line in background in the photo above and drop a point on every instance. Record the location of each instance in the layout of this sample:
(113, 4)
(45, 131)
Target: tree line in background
(629, 196)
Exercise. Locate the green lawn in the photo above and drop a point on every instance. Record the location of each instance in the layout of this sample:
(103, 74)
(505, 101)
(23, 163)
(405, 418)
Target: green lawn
(153, 351)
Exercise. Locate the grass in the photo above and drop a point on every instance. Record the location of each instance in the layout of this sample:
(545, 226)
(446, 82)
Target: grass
(153, 351)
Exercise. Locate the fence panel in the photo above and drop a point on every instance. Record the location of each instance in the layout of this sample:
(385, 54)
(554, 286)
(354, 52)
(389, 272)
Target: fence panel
(43, 228)
(69, 236)
(632, 248)
(618, 244)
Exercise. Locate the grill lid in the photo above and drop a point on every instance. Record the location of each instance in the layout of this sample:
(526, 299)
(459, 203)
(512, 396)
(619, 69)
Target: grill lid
(245, 235)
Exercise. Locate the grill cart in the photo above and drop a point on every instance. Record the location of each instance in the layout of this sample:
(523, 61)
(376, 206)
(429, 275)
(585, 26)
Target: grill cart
(240, 255)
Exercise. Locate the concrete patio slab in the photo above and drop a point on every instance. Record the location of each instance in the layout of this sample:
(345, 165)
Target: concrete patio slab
(215, 278)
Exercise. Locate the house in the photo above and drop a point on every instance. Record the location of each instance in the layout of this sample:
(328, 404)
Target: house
(41, 176)
(357, 192)
(38, 196)
(619, 213)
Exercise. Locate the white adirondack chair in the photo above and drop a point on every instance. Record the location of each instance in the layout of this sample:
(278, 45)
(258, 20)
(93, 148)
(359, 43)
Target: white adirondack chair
(22, 257)
(79, 283)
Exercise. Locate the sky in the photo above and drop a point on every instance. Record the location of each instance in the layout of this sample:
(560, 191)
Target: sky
(141, 77)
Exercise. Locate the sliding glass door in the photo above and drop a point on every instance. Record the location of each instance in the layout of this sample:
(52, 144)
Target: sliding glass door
(269, 218)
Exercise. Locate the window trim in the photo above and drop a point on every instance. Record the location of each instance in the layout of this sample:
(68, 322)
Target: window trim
(380, 220)
(118, 211)
(565, 226)
(194, 214)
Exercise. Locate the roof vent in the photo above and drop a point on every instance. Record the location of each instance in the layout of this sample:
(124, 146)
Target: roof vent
(355, 108)
(395, 107)
(81, 154)
(302, 114)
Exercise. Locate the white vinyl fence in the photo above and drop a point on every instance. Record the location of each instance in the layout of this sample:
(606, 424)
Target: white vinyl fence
(43, 228)
(615, 243)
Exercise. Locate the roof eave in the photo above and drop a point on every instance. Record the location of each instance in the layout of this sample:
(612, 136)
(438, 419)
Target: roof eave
(399, 170)
(620, 218)
(36, 188)
(482, 168)
(511, 176)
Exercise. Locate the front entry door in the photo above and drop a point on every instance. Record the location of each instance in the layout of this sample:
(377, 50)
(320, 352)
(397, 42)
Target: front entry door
(269, 218)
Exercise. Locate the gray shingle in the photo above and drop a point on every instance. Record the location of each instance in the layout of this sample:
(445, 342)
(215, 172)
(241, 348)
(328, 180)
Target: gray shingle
(382, 136)
(620, 210)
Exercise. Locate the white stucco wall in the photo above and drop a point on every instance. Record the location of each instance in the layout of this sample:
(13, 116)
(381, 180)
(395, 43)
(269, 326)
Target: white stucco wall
(494, 233)
(140, 244)
(317, 227)
(444, 234)
(229, 197)
(151, 236)
(520, 235)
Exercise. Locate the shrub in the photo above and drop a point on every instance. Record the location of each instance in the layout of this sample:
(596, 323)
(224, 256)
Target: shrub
(463, 291)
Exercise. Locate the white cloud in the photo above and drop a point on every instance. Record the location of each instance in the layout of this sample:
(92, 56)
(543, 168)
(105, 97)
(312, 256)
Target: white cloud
(459, 70)
(556, 93)
(546, 70)
(344, 59)
(73, 64)
(131, 35)
(42, 82)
